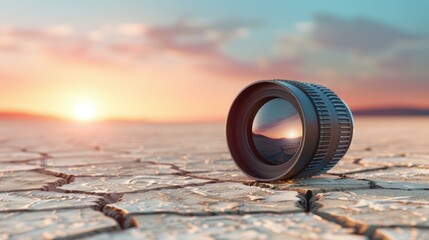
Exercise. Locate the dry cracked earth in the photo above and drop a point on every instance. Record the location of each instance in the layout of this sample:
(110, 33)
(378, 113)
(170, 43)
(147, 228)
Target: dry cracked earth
(158, 181)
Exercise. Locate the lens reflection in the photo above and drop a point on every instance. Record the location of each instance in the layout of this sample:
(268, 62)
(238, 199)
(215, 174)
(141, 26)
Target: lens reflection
(277, 131)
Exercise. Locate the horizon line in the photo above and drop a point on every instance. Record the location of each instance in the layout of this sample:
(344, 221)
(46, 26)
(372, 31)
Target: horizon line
(378, 111)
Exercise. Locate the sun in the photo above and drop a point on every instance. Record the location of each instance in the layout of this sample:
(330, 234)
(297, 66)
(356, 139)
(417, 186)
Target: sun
(291, 134)
(84, 111)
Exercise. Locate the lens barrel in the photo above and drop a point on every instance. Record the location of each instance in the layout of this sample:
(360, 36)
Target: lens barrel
(283, 129)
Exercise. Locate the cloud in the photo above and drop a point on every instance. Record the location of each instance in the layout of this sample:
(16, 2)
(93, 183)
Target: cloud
(59, 30)
(193, 37)
(359, 34)
(197, 43)
(131, 29)
(283, 67)
(21, 39)
(202, 44)
(407, 59)
(348, 55)
(37, 33)
(8, 45)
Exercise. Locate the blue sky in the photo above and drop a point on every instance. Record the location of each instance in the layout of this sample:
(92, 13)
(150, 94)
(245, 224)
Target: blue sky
(272, 18)
(275, 15)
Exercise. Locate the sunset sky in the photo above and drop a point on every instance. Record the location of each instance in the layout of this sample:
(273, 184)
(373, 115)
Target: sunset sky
(187, 60)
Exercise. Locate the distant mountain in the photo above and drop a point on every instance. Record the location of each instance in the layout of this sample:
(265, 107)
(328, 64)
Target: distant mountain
(276, 150)
(25, 116)
(41, 117)
(394, 111)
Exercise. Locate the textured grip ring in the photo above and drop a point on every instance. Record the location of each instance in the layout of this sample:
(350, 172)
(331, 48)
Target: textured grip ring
(327, 129)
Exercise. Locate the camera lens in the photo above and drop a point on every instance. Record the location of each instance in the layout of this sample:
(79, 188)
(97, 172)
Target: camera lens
(283, 129)
(277, 131)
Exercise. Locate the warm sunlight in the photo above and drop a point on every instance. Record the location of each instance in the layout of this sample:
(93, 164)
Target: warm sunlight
(84, 111)
(292, 134)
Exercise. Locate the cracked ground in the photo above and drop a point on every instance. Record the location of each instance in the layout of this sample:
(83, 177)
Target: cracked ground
(157, 181)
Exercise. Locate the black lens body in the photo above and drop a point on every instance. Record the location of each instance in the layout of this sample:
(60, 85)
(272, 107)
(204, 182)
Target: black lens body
(283, 129)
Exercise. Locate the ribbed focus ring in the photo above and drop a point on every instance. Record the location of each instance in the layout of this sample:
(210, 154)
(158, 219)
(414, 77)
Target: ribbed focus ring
(335, 127)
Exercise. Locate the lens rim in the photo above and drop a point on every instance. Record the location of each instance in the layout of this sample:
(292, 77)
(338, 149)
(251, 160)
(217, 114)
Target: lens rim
(238, 130)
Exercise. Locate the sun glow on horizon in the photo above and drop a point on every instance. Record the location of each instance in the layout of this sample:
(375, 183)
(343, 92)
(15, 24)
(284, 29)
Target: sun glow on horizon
(84, 111)
(292, 133)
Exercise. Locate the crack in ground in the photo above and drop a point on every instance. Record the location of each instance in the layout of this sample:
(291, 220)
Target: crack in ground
(313, 206)
(121, 217)
(308, 201)
(76, 165)
(130, 222)
(107, 198)
(67, 177)
(24, 160)
(358, 171)
(62, 179)
(359, 228)
(136, 191)
(373, 185)
(368, 230)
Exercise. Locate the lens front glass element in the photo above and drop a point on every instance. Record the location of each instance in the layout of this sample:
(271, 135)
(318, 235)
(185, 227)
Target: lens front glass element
(277, 131)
